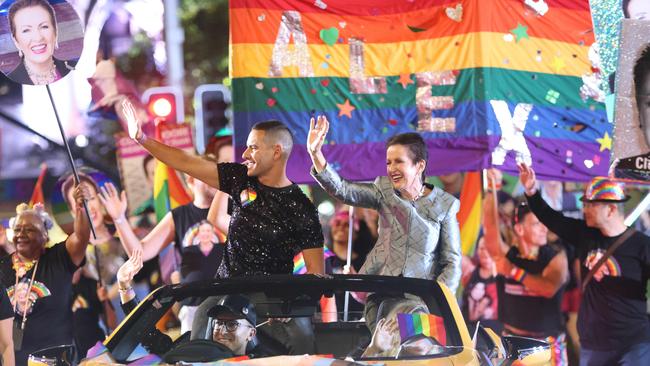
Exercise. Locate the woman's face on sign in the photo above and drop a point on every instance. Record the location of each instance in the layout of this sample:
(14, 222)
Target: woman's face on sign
(35, 34)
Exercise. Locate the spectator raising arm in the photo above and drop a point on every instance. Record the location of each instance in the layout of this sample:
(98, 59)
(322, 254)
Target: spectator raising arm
(77, 242)
(153, 243)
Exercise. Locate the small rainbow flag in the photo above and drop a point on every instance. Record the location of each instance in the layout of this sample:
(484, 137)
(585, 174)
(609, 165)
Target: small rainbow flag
(37, 195)
(421, 323)
(168, 191)
(469, 215)
(299, 262)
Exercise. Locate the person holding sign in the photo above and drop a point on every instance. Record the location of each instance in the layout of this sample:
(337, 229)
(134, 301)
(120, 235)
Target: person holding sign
(418, 229)
(34, 32)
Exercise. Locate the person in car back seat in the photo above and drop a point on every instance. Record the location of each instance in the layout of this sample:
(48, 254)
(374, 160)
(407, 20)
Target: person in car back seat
(232, 323)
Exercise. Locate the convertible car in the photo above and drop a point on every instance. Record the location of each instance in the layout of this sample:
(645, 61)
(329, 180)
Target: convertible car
(431, 329)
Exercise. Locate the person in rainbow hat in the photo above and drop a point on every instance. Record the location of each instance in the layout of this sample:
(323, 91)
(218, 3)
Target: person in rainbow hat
(612, 321)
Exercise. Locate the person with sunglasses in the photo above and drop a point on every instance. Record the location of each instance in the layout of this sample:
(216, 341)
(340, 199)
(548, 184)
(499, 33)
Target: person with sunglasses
(232, 323)
(613, 324)
(531, 277)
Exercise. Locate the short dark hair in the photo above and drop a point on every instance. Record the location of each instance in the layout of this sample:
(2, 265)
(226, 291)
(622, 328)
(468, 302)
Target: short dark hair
(641, 69)
(416, 146)
(278, 132)
(69, 183)
(22, 4)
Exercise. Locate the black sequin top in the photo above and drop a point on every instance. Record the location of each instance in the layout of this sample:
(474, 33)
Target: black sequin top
(268, 226)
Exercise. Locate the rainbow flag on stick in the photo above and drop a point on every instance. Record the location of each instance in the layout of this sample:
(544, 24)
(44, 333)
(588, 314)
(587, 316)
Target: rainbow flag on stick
(168, 190)
(469, 215)
(482, 84)
(421, 323)
(37, 195)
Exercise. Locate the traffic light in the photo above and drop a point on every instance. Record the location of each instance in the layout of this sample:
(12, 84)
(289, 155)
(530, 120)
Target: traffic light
(165, 102)
(211, 111)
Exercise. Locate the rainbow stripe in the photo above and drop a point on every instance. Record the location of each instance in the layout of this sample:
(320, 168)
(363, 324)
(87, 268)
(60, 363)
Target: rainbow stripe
(603, 188)
(613, 267)
(168, 190)
(518, 274)
(80, 302)
(299, 262)
(375, 69)
(191, 233)
(421, 323)
(469, 215)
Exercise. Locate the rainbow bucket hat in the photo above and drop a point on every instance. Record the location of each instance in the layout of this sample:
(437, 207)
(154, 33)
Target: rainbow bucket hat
(604, 189)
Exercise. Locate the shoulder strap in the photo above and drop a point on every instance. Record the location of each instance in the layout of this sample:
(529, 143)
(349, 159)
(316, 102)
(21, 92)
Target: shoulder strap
(621, 239)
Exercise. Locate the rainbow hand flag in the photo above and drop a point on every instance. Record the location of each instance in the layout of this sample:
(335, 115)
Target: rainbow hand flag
(421, 323)
(168, 190)
(469, 215)
(484, 85)
(299, 262)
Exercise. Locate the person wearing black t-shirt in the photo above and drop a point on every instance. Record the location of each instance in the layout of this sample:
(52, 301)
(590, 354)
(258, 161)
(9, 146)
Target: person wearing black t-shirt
(6, 320)
(532, 275)
(178, 226)
(39, 279)
(271, 218)
(612, 320)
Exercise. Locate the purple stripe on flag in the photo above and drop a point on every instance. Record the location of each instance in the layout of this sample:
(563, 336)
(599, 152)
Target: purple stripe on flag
(406, 328)
(552, 159)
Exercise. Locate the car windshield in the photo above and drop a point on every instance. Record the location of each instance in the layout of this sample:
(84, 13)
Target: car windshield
(291, 315)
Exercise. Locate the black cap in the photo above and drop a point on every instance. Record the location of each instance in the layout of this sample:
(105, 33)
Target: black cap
(235, 306)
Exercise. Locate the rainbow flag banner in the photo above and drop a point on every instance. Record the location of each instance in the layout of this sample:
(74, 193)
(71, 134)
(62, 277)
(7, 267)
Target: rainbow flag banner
(469, 215)
(421, 323)
(485, 84)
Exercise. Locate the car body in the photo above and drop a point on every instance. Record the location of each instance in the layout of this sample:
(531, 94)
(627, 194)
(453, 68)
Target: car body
(290, 296)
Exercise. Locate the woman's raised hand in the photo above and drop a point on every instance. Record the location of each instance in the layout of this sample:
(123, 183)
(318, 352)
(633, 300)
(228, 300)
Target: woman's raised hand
(132, 121)
(130, 268)
(114, 202)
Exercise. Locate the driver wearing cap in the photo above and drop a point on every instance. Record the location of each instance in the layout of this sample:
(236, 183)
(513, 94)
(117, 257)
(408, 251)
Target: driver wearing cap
(232, 323)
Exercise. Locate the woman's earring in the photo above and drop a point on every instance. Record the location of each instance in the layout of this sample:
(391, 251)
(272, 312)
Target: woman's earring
(20, 53)
(56, 44)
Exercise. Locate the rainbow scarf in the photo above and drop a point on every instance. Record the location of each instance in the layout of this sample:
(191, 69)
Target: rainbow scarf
(421, 323)
(299, 262)
(462, 74)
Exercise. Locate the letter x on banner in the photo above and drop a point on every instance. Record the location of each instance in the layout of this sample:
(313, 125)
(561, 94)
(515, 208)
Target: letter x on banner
(484, 85)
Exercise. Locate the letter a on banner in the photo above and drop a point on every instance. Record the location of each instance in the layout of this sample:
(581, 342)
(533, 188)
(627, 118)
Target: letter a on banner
(291, 26)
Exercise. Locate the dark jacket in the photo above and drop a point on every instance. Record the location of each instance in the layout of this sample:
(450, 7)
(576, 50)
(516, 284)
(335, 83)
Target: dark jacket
(20, 75)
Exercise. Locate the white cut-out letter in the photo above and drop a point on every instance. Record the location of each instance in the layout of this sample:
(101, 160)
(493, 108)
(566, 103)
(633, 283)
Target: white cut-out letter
(512, 132)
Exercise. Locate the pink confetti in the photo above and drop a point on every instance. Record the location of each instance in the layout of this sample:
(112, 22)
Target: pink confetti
(270, 102)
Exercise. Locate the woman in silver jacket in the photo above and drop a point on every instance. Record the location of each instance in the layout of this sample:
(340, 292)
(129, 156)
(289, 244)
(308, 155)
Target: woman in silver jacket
(418, 229)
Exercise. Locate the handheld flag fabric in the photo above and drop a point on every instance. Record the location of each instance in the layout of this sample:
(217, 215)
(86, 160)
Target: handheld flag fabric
(380, 68)
(469, 215)
(299, 261)
(168, 190)
(421, 323)
(37, 195)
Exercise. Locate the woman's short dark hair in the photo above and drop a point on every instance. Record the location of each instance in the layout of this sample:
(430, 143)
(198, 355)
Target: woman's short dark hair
(416, 146)
(22, 4)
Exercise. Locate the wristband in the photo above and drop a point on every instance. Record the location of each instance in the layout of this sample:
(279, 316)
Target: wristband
(123, 290)
(518, 274)
(119, 220)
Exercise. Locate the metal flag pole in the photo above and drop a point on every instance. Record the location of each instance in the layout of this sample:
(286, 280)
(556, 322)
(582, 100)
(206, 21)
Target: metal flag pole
(348, 261)
(71, 160)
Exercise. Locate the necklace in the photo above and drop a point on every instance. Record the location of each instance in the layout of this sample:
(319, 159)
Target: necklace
(420, 194)
(19, 266)
(42, 78)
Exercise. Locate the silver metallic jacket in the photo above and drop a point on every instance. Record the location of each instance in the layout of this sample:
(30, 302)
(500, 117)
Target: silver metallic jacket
(417, 239)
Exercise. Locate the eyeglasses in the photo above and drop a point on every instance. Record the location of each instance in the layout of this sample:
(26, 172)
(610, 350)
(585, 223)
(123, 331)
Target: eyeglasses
(230, 325)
